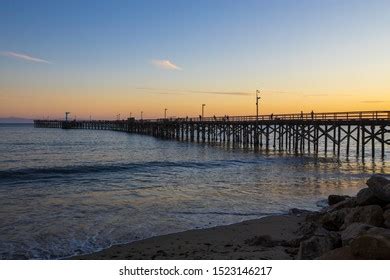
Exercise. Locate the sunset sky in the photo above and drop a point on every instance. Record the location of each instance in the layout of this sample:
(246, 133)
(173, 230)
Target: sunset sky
(102, 58)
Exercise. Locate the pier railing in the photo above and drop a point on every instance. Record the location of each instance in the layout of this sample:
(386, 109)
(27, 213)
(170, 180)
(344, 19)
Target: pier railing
(298, 133)
(342, 116)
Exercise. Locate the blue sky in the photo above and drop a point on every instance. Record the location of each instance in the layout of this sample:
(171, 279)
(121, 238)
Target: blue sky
(314, 48)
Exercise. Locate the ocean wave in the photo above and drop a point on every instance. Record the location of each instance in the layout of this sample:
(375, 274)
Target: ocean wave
(257, 214)
(60, 171)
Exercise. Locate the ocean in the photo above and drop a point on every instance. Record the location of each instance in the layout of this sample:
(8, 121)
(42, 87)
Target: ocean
(69, 192)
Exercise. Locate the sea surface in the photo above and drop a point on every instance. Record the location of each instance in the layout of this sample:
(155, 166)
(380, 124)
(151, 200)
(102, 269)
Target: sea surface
(69, 192)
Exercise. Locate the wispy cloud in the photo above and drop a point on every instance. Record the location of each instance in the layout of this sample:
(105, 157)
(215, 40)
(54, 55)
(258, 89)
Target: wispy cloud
(176, 91)
(25, 57)
(165, 64)
(267, 92)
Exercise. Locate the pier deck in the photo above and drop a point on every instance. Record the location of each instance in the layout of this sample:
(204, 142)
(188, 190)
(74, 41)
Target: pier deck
(354, 133)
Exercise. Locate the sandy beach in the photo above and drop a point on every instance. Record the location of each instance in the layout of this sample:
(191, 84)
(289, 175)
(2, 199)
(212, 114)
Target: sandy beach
(246, 240)
(348, 228)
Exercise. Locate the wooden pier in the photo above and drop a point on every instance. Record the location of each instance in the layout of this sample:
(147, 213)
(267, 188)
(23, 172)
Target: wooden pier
(360, 134)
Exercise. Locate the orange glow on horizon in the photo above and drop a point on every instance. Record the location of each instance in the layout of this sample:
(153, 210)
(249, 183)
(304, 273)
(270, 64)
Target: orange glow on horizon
(104, 104)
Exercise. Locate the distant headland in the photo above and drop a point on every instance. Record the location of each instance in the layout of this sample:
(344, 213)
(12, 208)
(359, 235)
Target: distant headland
(15, 120)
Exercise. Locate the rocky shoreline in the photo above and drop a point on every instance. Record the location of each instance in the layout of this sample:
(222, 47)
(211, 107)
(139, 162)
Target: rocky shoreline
(350, 228)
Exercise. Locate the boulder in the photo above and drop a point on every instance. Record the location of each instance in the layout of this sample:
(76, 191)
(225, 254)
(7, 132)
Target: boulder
(374, 244)
(371, 247)
(347, 203)
(386, 207)
(342, 253)
(370, 214)
(380, 186)
(353, 231)
(334, 220)
(385, 232)
(367, 197)
(333, 198)
(386, 218)
(318, 245)
(377, 179)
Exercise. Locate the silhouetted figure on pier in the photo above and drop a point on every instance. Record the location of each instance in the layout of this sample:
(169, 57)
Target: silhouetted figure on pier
(272, 116)
(312, 115)
(301, 114)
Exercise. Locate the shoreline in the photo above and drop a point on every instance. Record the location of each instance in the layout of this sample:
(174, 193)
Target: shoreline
(349, 228)
(263, 238)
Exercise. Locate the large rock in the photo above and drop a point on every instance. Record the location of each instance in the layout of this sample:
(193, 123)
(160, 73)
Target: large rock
(371, 215)
(342, 253)
(369, 243)
(334, 220)
(371, 247)
(333, 198)
(367, 197)
(385, 232)
(318, 245)
(386, 218)
(353, 231)
(347, 203)
(380, 186)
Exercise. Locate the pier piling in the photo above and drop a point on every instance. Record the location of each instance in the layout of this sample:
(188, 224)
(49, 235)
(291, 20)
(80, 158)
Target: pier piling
(298, 133)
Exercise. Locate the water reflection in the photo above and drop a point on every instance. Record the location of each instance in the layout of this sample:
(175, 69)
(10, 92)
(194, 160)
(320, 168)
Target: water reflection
(72, 191)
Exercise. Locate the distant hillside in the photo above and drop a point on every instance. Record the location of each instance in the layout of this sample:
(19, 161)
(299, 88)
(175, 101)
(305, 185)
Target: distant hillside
(15, 120)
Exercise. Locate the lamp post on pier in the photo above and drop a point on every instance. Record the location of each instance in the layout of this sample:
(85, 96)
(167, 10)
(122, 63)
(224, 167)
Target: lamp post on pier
(203, 105)
(165, 113)
(257, 104)
(66, 116)
(142, 114)
(256, 140)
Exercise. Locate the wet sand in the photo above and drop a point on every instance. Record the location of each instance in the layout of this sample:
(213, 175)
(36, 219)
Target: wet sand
(264, 238)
